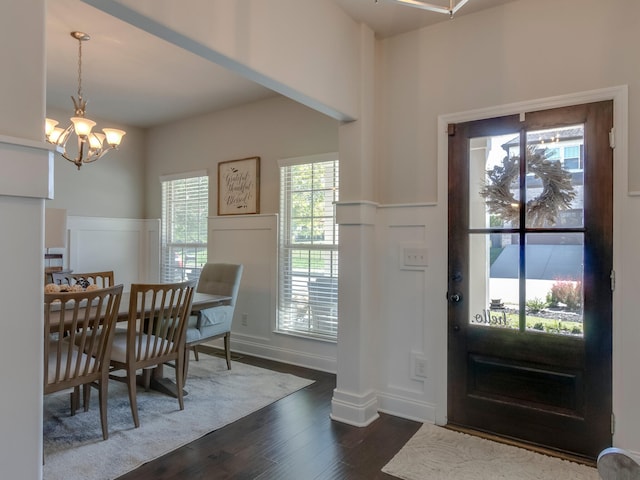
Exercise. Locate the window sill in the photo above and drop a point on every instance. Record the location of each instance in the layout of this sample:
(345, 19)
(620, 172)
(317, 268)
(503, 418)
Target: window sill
(307, 336)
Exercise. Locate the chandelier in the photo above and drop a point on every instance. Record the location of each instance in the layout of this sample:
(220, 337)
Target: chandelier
(90, 146)
(454, 6)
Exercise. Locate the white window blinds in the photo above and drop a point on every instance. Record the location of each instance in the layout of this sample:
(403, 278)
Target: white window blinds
(185, 204)
(308, 294)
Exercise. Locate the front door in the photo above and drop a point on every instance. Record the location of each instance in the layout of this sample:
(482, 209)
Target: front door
(530, 277)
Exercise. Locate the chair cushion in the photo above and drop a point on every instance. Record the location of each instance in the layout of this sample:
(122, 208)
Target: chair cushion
(220, 317)
(193, 335)
(119, 348)
(51, 371)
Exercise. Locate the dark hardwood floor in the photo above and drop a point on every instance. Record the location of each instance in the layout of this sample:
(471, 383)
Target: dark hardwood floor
(291, 439)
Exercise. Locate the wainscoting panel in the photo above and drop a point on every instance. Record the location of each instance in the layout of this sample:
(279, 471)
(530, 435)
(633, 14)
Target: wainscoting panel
(412, 314)
(251, 240)
(129, 247)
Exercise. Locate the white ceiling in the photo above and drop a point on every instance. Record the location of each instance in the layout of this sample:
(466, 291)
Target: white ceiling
(134, 78)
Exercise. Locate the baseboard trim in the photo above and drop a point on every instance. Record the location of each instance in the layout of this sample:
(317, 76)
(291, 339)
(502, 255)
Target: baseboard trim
(354, 409)
(301, 359)
(406, 408)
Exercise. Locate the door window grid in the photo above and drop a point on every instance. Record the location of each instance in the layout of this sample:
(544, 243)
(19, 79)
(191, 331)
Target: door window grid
(542, 289)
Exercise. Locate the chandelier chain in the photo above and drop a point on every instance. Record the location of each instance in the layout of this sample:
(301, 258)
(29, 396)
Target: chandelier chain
(80, 69)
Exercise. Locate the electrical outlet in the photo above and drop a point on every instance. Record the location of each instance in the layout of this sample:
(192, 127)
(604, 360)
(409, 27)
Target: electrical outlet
(245, 319)
(418, 366)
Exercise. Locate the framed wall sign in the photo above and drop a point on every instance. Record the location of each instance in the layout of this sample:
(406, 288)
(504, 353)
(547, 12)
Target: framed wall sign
(239, 186)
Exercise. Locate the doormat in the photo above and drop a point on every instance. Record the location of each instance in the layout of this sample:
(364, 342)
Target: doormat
(437, 453)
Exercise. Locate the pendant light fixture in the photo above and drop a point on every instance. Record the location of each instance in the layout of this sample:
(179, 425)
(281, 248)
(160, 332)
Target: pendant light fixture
(89, 145)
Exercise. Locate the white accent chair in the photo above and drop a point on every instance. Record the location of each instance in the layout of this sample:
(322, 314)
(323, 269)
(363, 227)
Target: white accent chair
(214, 322)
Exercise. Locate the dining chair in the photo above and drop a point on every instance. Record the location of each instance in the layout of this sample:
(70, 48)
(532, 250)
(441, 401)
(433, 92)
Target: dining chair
(158, 315)
(100, 279)
(75, 323)
(214, 322)
(90, 280)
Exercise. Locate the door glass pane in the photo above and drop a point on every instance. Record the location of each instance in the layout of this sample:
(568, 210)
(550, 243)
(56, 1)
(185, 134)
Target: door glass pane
(555, 270)
(493, 280)
(555, 177)
(494, 179)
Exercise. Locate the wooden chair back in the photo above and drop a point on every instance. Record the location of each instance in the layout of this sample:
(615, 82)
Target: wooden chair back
(158, 314)
(75, 323)
(101, 279)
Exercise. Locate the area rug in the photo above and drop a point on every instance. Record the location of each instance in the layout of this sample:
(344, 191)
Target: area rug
(436, 453)
(73, 446)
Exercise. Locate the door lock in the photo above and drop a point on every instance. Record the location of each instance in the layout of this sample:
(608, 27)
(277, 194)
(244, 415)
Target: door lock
(455, 297)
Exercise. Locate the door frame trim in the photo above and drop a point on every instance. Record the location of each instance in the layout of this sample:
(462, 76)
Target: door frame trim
(620, 97)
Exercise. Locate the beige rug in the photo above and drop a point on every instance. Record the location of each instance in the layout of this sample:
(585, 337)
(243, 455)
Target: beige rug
(436, 453)
(73, 446)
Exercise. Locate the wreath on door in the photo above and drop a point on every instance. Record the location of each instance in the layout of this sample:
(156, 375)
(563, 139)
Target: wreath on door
(557, 189)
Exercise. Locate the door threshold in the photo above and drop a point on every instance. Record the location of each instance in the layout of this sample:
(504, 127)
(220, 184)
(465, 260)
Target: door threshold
(520, 444)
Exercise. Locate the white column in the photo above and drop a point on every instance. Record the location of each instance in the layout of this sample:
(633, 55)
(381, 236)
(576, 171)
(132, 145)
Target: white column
(26, 177)
(355, 398)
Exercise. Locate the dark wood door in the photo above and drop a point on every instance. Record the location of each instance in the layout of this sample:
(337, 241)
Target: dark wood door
(530, 269)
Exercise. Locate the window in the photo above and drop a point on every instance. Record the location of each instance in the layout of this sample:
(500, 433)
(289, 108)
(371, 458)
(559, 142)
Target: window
(185, 205)
(308, 263)
(573, 157)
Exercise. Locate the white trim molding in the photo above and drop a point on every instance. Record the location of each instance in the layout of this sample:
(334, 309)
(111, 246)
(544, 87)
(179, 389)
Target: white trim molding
(27, 168)
(356, 213)
(354, 409)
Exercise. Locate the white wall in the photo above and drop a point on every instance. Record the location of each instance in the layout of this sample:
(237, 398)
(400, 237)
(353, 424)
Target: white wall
(519, 52)
(263, 41)
(270, 129)
(522, 50)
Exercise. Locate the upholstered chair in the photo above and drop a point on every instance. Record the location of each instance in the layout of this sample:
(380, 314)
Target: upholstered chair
(215, 322)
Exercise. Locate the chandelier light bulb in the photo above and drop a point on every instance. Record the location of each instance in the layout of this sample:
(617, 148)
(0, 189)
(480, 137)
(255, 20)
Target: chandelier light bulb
(55, 134)
(96, 140)
(114, 136)
(50, 124)
(82, 126)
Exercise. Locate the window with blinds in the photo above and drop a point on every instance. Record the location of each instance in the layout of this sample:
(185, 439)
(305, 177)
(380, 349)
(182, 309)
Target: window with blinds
(308, 263)
(185, 205)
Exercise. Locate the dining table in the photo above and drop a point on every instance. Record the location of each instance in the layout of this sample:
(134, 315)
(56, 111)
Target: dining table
(201, 301)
